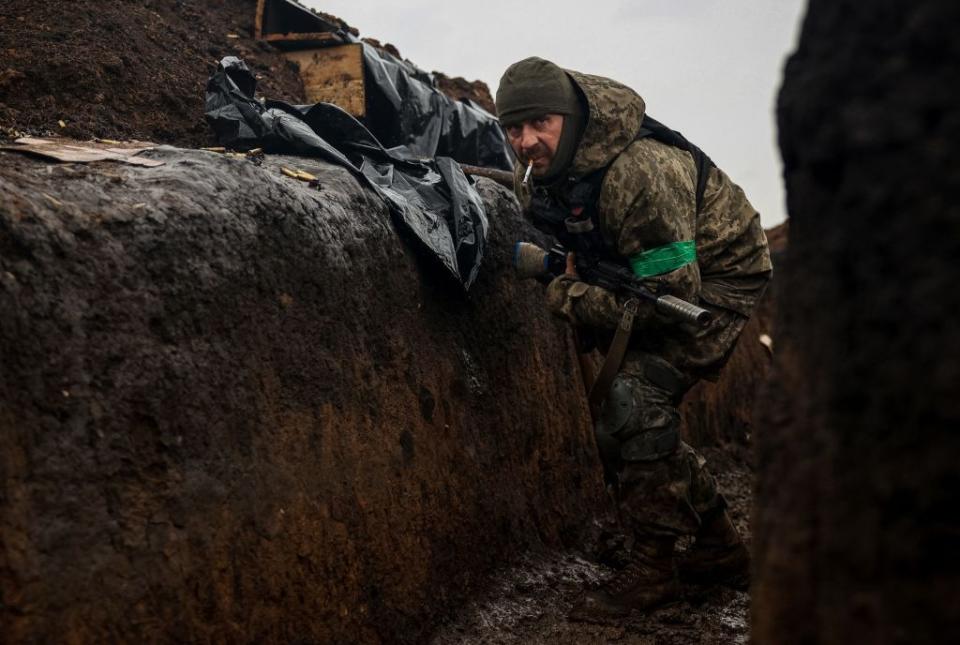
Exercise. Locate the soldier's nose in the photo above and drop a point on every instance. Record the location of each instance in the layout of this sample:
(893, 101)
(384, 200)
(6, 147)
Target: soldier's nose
(528, 139)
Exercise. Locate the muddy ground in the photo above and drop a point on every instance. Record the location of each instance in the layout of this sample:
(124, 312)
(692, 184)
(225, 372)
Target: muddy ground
(525, 603)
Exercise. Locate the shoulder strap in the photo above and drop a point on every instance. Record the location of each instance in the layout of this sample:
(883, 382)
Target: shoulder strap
(613, 359)
(659, 132)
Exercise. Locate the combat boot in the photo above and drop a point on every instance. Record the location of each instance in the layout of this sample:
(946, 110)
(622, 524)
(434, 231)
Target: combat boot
(649, 580)
(718, 556)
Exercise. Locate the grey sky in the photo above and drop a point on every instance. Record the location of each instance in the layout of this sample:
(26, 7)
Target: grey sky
(708, 68)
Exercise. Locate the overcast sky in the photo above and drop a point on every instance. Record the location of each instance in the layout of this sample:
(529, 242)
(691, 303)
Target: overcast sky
(708, 68)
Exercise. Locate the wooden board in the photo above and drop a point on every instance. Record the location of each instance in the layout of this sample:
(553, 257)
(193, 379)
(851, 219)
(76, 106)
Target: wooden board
(288, 25)
(288, 42)
(258, 20)
(333, 75)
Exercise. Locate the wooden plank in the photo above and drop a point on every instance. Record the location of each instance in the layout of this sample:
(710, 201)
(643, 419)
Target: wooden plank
(320, 35)
(288, 26)
(333, 75)
(299, 41)
(281, 17)
(258, 20)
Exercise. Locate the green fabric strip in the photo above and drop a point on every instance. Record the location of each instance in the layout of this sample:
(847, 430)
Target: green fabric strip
(663, 259)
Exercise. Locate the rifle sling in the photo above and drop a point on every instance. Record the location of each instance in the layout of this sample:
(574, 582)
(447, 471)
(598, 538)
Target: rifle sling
(613, 359)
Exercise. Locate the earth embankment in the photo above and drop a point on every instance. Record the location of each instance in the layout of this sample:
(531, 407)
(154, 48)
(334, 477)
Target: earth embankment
(236, 406)
(858, 484)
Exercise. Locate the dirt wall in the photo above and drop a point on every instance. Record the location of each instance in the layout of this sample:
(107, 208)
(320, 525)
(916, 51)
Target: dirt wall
(236, 408)
(858, 486)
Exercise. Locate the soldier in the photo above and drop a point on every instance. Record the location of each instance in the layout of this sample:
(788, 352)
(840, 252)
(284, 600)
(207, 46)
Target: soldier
(633, 191)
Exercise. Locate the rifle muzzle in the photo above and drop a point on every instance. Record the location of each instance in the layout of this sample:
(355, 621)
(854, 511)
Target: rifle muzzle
(683, 311)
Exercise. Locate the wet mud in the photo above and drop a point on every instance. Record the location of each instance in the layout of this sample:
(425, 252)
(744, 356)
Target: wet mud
(527, 602)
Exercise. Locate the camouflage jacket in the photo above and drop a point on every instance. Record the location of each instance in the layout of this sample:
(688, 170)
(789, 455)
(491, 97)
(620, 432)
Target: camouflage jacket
(647, 200)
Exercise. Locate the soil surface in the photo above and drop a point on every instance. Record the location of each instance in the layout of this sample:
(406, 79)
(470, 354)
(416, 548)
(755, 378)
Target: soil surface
(460, 88)
(126, 69)
(526, 603)
(384, 47)
(137, 70)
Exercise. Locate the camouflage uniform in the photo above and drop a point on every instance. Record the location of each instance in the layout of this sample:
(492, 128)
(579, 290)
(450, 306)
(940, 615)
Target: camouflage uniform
(647, 200)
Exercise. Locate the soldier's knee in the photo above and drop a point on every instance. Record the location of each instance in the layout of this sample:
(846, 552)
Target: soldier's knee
(641, 417)
(618, 408)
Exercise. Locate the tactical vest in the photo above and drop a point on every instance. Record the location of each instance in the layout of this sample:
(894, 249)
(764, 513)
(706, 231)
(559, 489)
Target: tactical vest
(571, 212)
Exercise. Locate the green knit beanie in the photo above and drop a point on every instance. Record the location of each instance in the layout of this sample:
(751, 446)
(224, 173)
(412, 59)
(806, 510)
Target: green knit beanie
(534, 87)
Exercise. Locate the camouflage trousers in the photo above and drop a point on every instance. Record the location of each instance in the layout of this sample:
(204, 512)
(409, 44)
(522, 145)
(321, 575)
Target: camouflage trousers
(664, 485)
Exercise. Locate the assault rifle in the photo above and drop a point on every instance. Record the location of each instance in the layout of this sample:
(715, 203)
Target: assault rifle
(533, 262)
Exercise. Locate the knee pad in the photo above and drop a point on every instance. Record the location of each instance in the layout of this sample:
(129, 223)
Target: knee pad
(640, 418)
(618, 407)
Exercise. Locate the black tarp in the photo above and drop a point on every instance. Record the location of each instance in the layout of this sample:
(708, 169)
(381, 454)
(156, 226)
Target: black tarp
(430, 198)
(405, 109)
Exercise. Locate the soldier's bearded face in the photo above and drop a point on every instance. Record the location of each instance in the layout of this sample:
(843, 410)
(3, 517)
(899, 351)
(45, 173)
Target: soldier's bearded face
(536, 140)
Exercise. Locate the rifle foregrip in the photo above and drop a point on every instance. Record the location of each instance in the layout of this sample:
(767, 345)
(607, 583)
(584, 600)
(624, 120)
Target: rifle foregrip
(683, 311)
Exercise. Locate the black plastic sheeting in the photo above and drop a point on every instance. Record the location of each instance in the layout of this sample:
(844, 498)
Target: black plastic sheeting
(429, 198)
(405, 109)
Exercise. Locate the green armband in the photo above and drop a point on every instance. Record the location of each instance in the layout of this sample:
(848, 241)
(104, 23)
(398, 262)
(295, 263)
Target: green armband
(663, 259)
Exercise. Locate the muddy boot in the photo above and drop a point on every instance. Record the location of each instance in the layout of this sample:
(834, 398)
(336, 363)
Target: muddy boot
(613, 550)
(648, 581)
(718, 556)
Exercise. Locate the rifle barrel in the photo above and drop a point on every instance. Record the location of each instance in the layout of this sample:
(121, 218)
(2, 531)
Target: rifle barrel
(502, 177)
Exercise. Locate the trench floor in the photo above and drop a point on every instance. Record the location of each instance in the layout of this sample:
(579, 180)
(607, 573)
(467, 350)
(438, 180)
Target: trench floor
(527, 601)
